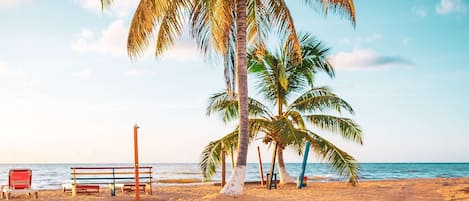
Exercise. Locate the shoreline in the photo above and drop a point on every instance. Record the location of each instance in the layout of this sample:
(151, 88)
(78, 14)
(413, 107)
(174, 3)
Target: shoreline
(386, 190)
(196, 182)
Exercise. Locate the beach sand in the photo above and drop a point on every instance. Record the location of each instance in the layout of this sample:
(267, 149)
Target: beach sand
(395, 190)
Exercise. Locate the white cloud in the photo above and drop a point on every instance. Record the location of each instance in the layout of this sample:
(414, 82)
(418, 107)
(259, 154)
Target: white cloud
(449, 6)
(121, 8)
(83, 74)
(112, 40)
(12, 3)
(405, 41)
(419, 11)
(362, 59)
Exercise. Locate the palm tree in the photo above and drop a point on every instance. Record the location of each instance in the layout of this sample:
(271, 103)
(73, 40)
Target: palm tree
(225, 27)
(279, 79)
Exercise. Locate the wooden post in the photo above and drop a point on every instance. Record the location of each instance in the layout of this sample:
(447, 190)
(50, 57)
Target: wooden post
(74, 190)
(261, 171)
(223, 168)
(232, 159)
(74, 185)
(136, 168)
(113, 185)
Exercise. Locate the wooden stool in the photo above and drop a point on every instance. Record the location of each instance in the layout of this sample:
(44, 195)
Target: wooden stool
(272, 182)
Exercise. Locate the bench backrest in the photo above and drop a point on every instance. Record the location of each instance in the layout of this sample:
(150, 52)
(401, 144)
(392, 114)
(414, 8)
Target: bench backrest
(19, 179)
(109, 175)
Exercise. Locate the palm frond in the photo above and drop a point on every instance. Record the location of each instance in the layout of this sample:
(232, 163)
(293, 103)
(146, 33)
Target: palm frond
(320, 99)
(210, 159)
(271, 74)
(221, 23)
(227, 106)
(258, 125)
(171, 27)
(345, 8)
(315, 55)
(142, 26)
(212, 25)
(200, 26)
(281, 17)
(230, 62)
(341, 161)
(296, 117)
(106, 3)
(211, 155)
(346, 127)
(284, 132)
(256, 21)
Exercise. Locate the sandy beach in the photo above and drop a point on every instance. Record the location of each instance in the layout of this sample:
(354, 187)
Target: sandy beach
(395, 190)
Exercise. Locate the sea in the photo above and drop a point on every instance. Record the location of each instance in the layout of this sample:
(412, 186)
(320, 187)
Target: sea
(52, 176)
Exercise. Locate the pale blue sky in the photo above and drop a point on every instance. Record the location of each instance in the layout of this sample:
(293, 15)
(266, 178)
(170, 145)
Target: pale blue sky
(69, 93)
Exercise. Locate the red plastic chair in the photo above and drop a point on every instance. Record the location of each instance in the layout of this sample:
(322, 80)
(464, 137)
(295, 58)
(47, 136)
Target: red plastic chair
(19, 181)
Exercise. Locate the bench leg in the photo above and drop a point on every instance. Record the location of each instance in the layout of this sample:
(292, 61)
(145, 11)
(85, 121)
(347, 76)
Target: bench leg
(36, 195)
(113, 189)
(148, 189)
(74, 190)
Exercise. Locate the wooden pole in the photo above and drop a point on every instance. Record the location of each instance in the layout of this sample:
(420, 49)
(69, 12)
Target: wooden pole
(74, 185)
(223, 168)
(261, 171)
(303, 166)
(232, 159)
(137, 183)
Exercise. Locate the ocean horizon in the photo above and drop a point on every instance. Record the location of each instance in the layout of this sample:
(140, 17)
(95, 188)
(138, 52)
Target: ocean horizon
(53, 175)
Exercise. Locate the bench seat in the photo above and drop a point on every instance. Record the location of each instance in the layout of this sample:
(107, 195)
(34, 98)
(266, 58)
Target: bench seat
(86, 188)
(127, 187)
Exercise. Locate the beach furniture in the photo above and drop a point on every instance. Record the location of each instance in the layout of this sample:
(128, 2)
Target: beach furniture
(90, 179)
(19, 181)
(272, 181)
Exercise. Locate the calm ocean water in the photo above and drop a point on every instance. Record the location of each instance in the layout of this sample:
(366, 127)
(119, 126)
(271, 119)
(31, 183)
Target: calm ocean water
(51, 176)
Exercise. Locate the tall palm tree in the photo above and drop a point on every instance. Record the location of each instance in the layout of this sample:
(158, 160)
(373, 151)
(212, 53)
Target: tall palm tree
(224, 26)
(279, 79)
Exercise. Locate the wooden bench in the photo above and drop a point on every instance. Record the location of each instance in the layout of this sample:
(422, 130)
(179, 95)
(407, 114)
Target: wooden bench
(89, 179)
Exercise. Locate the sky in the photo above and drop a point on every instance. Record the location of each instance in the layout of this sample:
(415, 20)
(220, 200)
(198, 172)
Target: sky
(70, 94)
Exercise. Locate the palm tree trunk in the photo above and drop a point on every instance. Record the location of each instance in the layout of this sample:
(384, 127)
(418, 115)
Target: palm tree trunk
(235, 185)
(285, 178)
